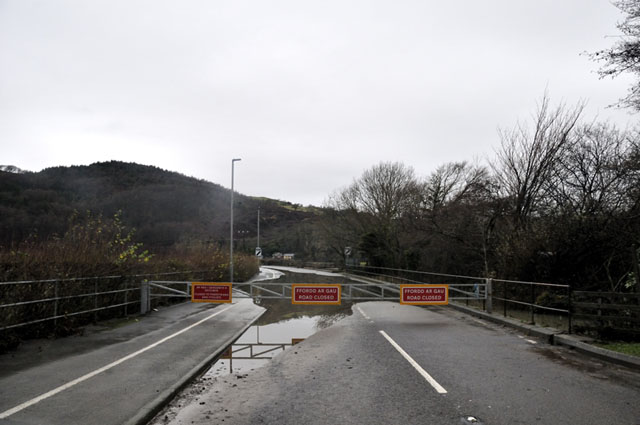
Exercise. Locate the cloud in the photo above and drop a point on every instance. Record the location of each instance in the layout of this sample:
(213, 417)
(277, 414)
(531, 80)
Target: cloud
(308, 93)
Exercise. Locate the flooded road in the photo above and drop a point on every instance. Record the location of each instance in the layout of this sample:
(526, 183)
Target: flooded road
(283, 326)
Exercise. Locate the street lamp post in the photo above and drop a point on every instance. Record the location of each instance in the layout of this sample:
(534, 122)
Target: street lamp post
(233, 162)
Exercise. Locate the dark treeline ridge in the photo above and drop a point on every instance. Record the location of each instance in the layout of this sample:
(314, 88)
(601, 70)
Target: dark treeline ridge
(150, 217)
(164, 207)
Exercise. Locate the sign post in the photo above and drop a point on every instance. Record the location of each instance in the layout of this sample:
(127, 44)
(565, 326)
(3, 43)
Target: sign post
(318, 294)
(424, 294)
(207, 292)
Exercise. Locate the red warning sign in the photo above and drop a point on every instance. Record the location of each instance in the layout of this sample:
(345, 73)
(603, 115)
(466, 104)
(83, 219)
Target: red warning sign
(316, 294)
(424, 294)
(206, 292)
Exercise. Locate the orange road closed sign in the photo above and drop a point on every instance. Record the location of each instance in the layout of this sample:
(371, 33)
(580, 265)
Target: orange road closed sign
(316, 294)
(424, 294)
(206, 292)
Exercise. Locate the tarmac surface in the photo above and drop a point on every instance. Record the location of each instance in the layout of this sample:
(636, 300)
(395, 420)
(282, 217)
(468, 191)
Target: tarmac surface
(385, 364)
(118, 376)
(395, 364)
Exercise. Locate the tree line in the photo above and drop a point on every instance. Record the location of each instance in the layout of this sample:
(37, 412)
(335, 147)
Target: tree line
(77, 221)
(559, 201)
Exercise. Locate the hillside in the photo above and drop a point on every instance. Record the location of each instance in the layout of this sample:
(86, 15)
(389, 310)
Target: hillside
(164, 207)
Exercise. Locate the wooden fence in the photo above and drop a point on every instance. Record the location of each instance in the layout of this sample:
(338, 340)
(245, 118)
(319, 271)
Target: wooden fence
(610, 314)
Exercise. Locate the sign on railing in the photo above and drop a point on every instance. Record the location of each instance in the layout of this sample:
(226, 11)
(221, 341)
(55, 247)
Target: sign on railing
(424, 294)
(206, 292)
(316, 294)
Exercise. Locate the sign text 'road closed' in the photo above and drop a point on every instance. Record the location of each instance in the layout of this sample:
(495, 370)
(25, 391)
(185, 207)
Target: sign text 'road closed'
(316, 294)
(424, 294)
(206, 292)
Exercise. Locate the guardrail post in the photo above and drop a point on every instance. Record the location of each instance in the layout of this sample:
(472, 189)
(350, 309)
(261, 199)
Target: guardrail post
(504, 298)
(144, 297)
(95, 302)
(55, 305)
(570, 307)
(489, 296)
(600, 322)
(533, 303)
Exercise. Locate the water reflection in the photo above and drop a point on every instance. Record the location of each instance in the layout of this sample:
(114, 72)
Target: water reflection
(274, 333)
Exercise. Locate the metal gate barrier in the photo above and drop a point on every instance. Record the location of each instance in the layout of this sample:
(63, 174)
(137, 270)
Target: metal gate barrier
(365, 289)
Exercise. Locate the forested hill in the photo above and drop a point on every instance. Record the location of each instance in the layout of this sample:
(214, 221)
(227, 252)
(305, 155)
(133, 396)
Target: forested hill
(164, 207)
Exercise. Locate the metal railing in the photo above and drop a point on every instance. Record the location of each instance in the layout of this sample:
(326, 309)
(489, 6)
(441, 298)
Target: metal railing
(462, 288)
(39, 301)
(534, 301)
(269, 290)
(530, 295)
(50, 302)
(350, 291)
(364, 290)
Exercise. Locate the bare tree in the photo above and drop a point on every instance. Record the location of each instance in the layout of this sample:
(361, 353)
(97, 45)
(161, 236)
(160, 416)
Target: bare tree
(624, 55)
(527, 159)
(385, 191)
(373, 207)
(459, 213)
(453, 183)
(592, 176)
(633, 177)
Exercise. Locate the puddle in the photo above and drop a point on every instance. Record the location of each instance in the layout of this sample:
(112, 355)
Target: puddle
(277, 330)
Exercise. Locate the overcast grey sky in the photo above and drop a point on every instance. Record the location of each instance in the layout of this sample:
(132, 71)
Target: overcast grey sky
(308, 93)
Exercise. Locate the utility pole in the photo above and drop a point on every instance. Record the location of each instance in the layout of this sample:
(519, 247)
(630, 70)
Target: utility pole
(258, 243)
(233, 161)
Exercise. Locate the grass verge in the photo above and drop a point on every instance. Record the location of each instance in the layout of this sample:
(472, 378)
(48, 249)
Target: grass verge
(630, 348)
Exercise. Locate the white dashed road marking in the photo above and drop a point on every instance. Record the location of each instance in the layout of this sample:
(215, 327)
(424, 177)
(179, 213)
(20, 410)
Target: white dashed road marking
(413, 363)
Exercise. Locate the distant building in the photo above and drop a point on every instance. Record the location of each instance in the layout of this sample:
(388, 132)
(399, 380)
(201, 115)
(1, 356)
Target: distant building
(289, 256)
(277, 255)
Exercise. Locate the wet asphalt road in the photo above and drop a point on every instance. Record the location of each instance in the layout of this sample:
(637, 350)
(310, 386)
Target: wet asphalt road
(350, 373)
(113, 376)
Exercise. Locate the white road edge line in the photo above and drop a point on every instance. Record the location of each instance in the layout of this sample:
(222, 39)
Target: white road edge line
(530, 341)
(413, 363)
(363, 313)
(90, 375)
